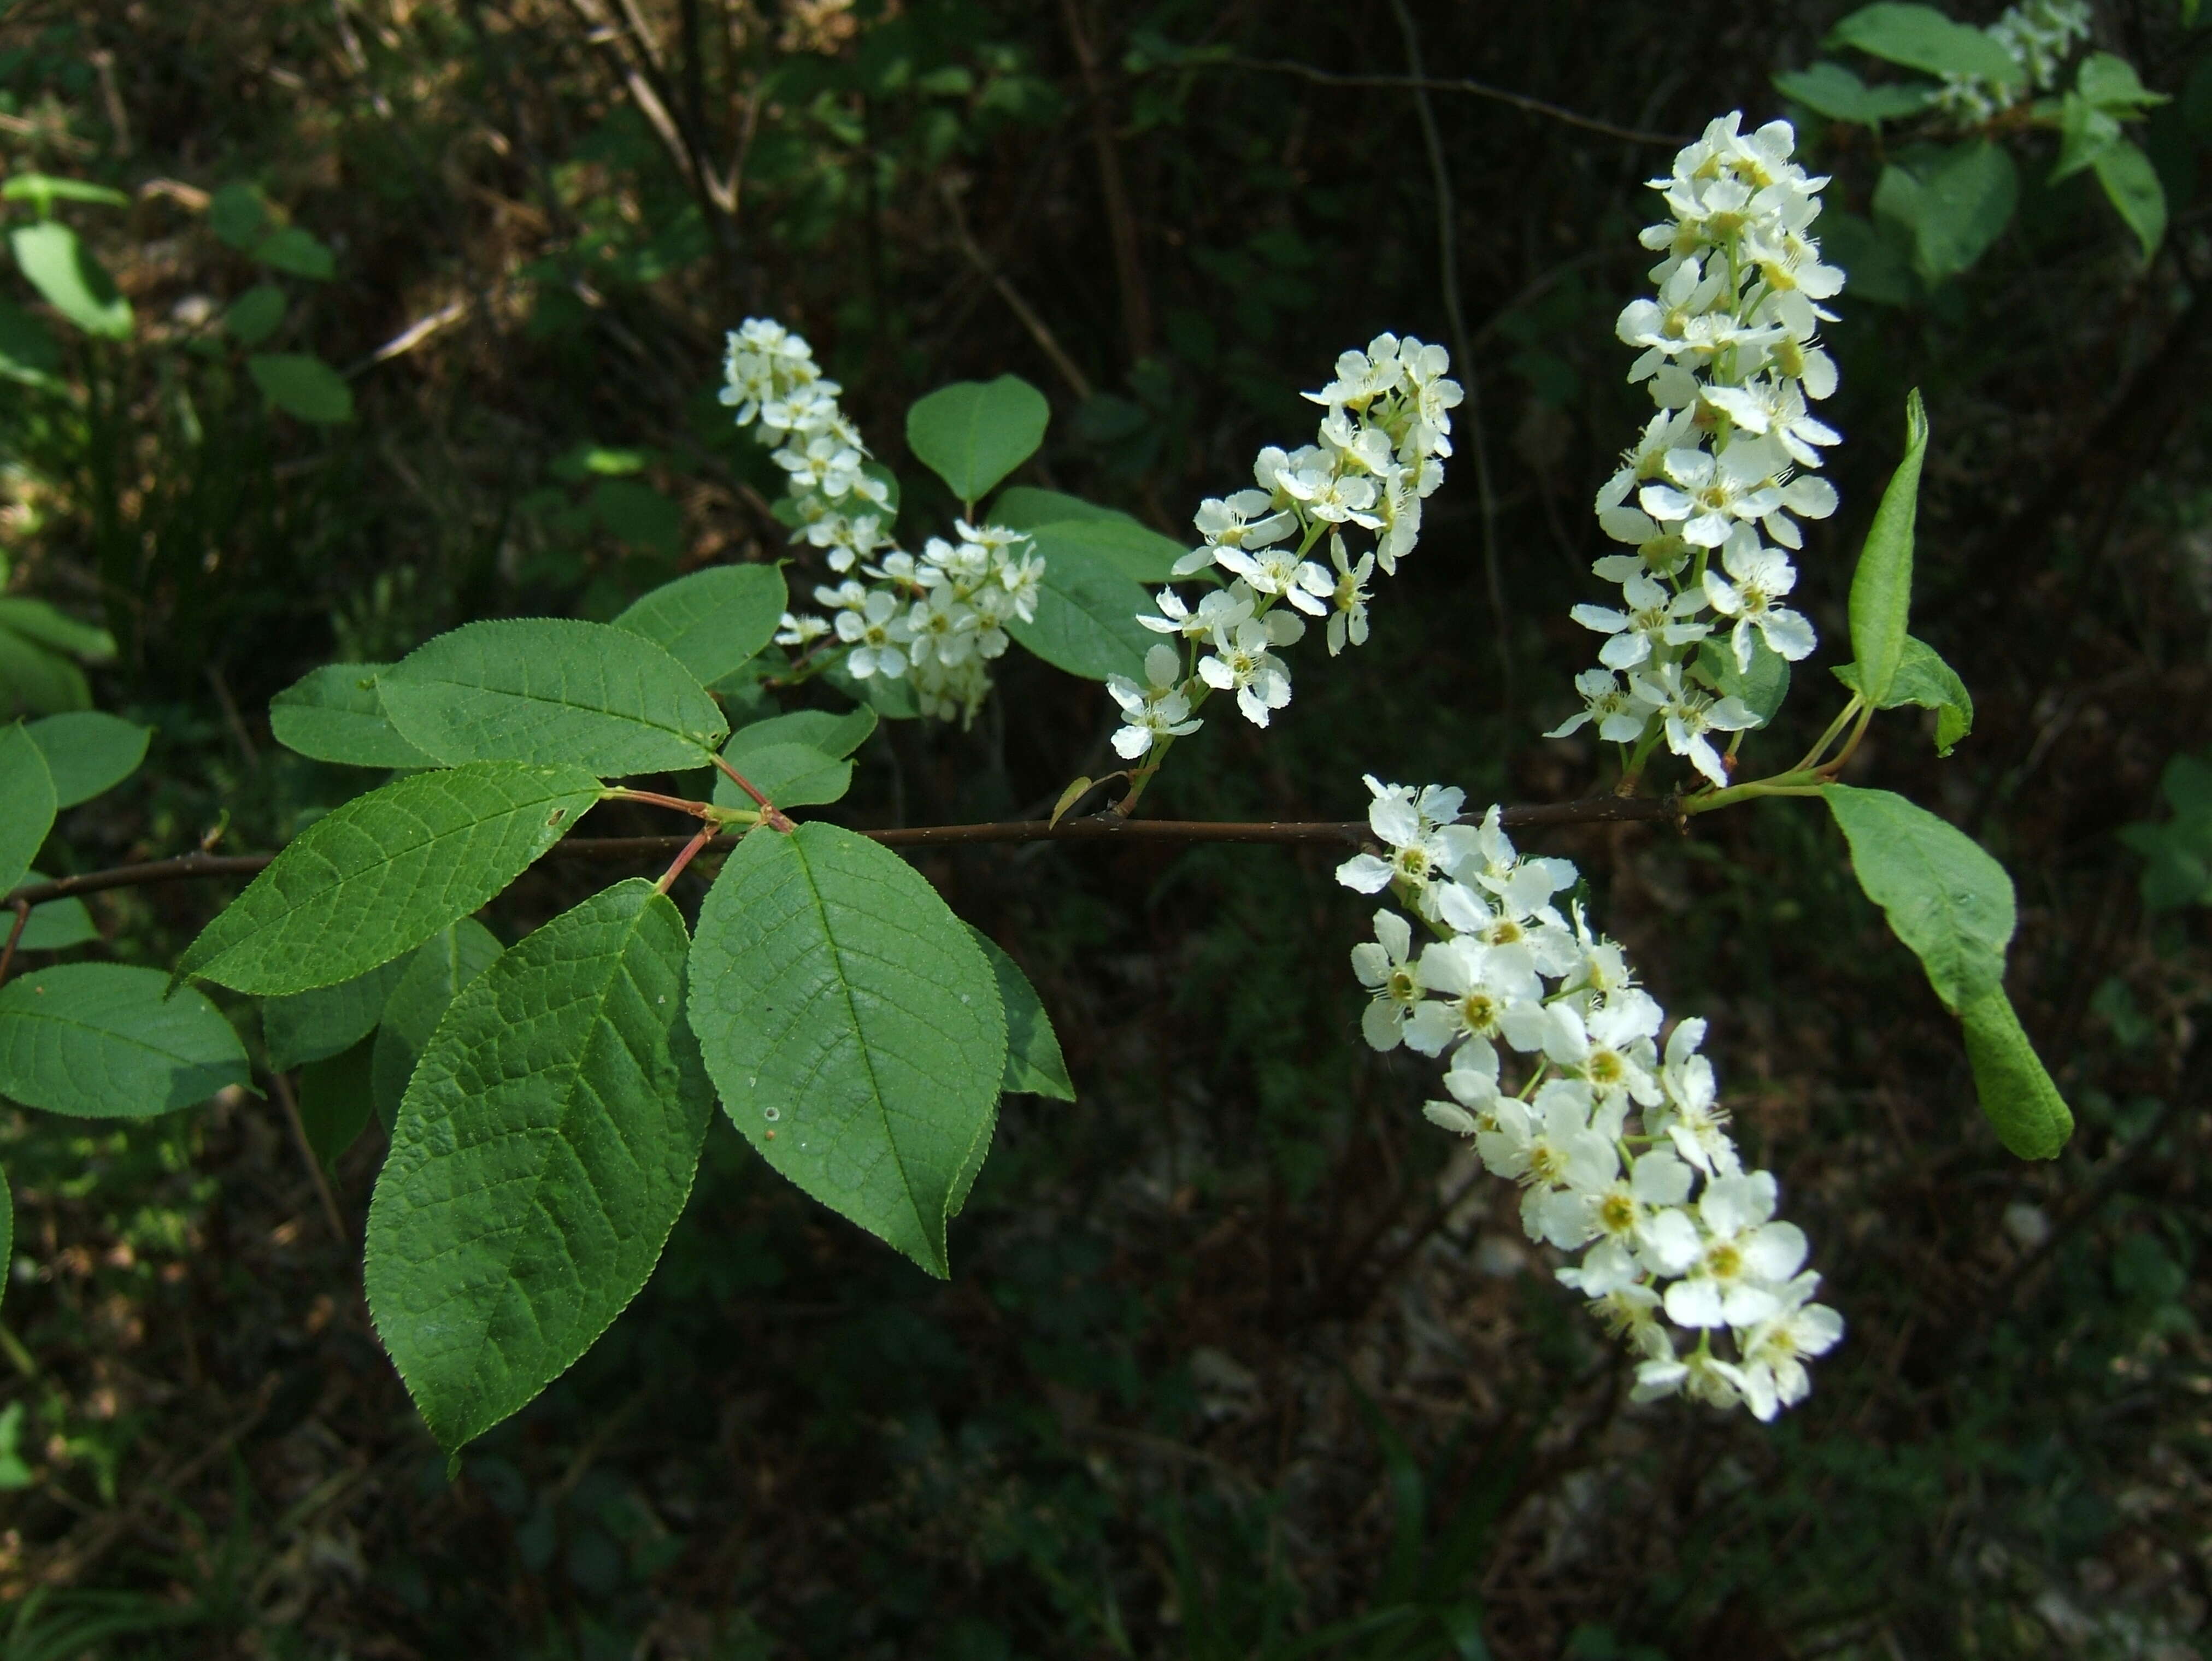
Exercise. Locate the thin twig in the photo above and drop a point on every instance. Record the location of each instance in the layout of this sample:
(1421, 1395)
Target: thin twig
(1480, 90)
(291, 1103)
(1121, 222)
(1047, 342)
(8, 952)
(1100, 827)
(1456, 315)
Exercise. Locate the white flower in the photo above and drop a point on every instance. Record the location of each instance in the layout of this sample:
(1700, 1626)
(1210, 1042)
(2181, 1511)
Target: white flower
(1219, 609)
(1607, 701)
(1715, 493)
(1689, 714)
(1413, 827)
(1611, 1047)
(1774, 408)
(793, 630)
(1381, 967)
(878, 637)
(1762, 576)
(1656, 619)
(1279, 571)
(1156, 711)
(1347, 597)
(1241, 663)
(1742, 1258)
(1694, 1121)
(1484, 988)
(1772, 1372)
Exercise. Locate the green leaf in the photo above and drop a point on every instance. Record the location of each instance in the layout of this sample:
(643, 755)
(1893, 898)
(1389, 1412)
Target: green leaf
(1830, 90)
(1944, 896)
(313, 1026)
(42, 190)
(1924, 678)
(543, 1153)
(89, 753)
(7, 1236)
(298, 251)
(713, 622)
(852, 1026)
(2132, 185)
(35, 620)
(1922, 38)
(29, 351)
(1141, 554)
(335, 713)
(1025, 507)
(237, 214)
(2111, 82)
(72, 282)
(382, 873)
(2179, 853)
(1762, 687)
(26, 803)
(255, 315)
(302, 386)
(1882, 587)
(99, 1040)
(1087, 619)
(552, 689)
(2018, 1097)
(2085, 133)
(55, 926)
(795, 761)
(33, 676)
(335, 1102)
(972, 433)
(1034, 1063)
(1965, 202)
(435, 976)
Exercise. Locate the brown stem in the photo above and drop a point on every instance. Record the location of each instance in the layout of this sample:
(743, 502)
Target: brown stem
(1101, 828)
(771, 816)
(283, 1086)
(685, 856)
(1121, 222)
(8, 952)
(1480, 90)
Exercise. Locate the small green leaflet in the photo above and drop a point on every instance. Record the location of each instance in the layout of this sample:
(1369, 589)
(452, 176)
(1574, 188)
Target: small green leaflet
(313, 1026)
(299, 252)
(1141, 554)
(1882, 587)
(71, 281)
(435, 976)
(2131, 186)
(334, 714)
(1922, 678)
(334, 1102)
(853, 1027)
(32, 675)
(42, 190)
(1763, 688)
(1034, 1063)
(26, 803)
(1922, 38)
(542, 1154)
(35, 620)
(551, 689)
(1830, 90)
(255, 315)
(2017, 1096)
(1087, 619)
(100, 1040)
(29, 351)
(2176, 852)
(972, 433)
(302, 387)
(1945, 897)
(383, 873)
(795, 761)
(712, 622)
(1966, 201)
(88, 753)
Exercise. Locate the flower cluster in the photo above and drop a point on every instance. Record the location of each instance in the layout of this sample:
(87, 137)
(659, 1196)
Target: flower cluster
(1379, 454)
(2038, 35)
(1710, 498)
(935, 620)
(1620, 1147)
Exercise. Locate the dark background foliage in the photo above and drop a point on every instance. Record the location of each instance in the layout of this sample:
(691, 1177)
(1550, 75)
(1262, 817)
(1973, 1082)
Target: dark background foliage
(1233, 1362)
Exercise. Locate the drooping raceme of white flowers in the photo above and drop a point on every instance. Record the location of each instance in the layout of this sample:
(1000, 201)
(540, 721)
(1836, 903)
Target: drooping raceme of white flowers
(1621, 1148)
(2038, 35)
(934, 621)
(1711, 496)
(1379, 454)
